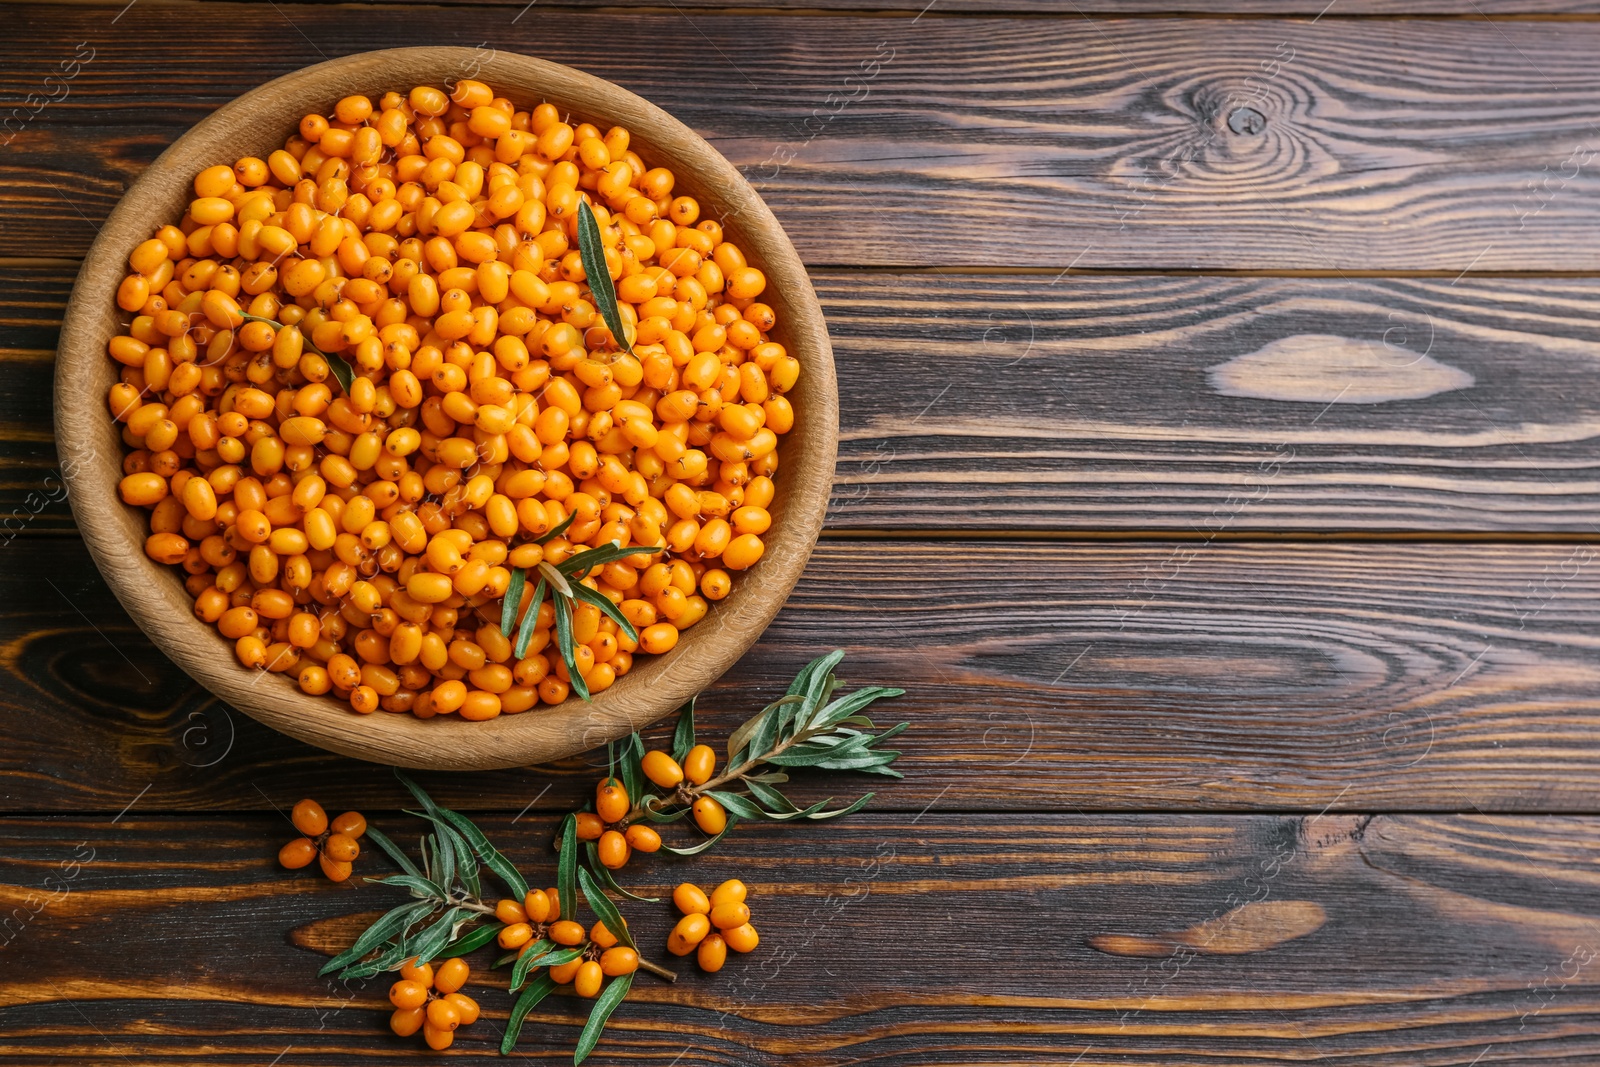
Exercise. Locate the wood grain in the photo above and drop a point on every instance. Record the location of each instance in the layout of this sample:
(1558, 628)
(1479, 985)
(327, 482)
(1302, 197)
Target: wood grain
(1139, 143)
(979, 403)
(1049, 677)
(179, 940)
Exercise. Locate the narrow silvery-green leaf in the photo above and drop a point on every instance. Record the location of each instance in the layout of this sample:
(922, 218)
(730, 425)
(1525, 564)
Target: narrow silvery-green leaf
(342, 371)
(608, 880)
(395, 921)
(593, 254)
(564, 644)
(525, 632)
(419, 886)
(851, 810)
(537, 990)
(695, 850)
(394, 851)
(604, 909)
(567, 867)
(466, 860)
(584, 593)
(772, 798)
(513, 600)
(632, 774)
(604, 1005)
(491, 856)
(556, 531)
(683, 735)
(472, 941)
(444, 859)
(846, 706)
(526, 958)
(426, 945)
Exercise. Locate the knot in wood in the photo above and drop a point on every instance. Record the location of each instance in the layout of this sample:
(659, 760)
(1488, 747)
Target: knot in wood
(1246, 120)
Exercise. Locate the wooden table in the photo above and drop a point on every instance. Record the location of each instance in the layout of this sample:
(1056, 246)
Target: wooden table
(1217, 474)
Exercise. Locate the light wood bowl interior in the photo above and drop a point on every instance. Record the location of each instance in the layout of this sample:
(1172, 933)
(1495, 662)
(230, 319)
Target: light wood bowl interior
(91, 449)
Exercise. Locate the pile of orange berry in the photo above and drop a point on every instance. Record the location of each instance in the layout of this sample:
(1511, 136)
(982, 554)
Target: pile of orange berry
(724, 909)
(537, 918)
(333, 844)
(359, 539)
(428, 999)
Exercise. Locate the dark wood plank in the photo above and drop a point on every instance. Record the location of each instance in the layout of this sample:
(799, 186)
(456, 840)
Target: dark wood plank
(1042, 677)
(1338, 9)
(1184, 404)
(1390, 144)
(888, 940)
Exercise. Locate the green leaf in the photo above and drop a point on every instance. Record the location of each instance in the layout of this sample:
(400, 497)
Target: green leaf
(492, 857)
(342, 371)
(567, 867)
(647, 802)
(471, 942)
(610, 881)
(819, 682)
(695, 850)
(632, 774)
(417, 791)
(894, 731)
(554, 956)
(847, 706)
(396, 920)
(736, 804)
(683, 736)
(513, 600)
(590, 558)
(813, 753)
(537, 990)
(466, 859)
(739, 740)
(604, 1005)
(526, 960)
(593, 254)
(419, 886)
(427, 945)
(564, 643)
(851, 810)
(769, 796)
(529, 619)
(394, 850)
(604, 909)
(583, 592)
(445, 859)
(556, 531)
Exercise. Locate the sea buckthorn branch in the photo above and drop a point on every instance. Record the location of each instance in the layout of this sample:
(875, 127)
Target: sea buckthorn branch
(803, 728)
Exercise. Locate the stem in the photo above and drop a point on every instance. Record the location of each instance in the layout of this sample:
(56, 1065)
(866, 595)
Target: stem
(660, 972)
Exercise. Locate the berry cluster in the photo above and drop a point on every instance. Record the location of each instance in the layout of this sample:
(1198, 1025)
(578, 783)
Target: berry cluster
(537, 919)
(610, 825)
(333, 844)
(724, 909)
(429, 999)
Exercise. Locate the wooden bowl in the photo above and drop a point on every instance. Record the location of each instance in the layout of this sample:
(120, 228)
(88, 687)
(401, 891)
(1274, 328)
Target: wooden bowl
(91, 448)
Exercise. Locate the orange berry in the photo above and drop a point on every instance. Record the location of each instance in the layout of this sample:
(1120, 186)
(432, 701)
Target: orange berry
(407, 1021)
(566, 932)
(510, 912)
(611, 801)
(662, 769)
(297, 853)
(710, 816)
(562, 973)
(309, 818)
(417, 972)
(732, 891)
(691, 900)
(437, 1039)
(590, 826)
(537, 906)
(351, 824)
(618, 961)
(699, 764)
(692, 929)
(727, 915)
(465, 1006)
(451, 975)
(588, 980)
(601, 935)
(741, 938)
(442, 1015)
(712, 953)
(408, 994)
(336, 870)
(643, 839)
(612, 849)
(515, 936)
(341, 847)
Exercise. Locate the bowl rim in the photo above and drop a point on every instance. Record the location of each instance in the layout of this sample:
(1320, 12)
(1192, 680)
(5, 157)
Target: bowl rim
(153, 594)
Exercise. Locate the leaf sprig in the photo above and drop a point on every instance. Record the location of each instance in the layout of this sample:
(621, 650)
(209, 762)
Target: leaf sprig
(806, 727)
(343, 372)
(563, 583)
(598, 274)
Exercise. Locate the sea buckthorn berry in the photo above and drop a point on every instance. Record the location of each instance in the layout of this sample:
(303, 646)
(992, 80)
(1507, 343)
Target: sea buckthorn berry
(510, 912)
(451, 975)
(562, 973)
(566, 932)
(742, 938)
(297, 853)
(341, 847)
(662, 769)
(601, 935)
(612, 850)
(691, 900)
(336, 870)
(537, 905)
(438, 1039)
(699, 764)
(465, 1006)
(587, 982)
(515, 935)
(712, 953)
(732, 891)
(408, 994)
(689, 932)
(351, 823)
(710, 816)
(611, 801)
(643, 839)
(442, 1015)
(727, 915)
(619, 961)
(590, 826)
(407, 1021)
(417, 972)
(309, 818)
